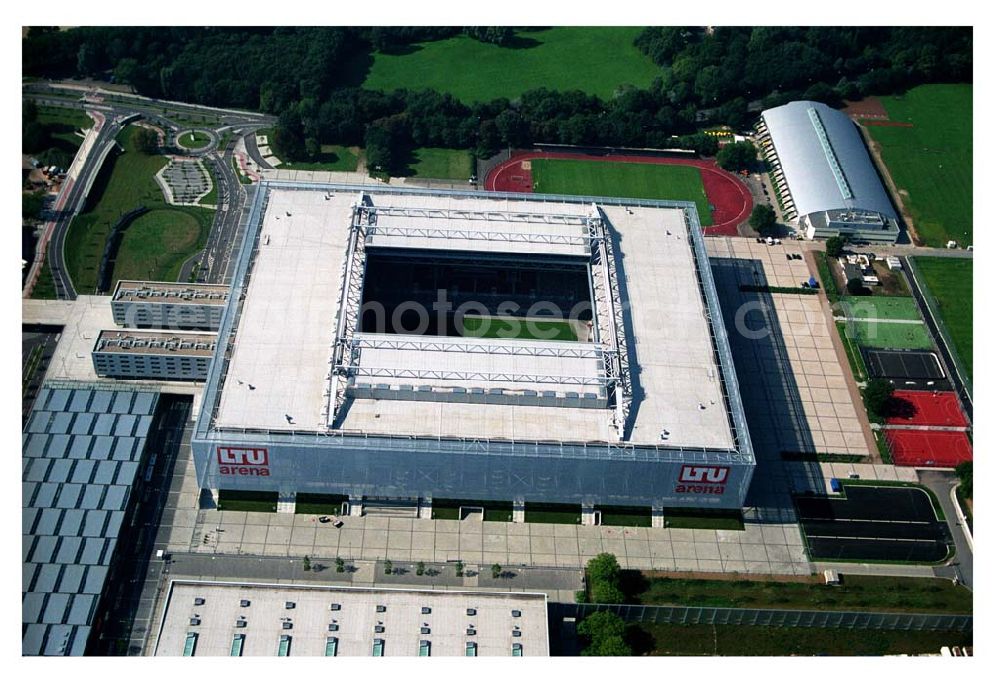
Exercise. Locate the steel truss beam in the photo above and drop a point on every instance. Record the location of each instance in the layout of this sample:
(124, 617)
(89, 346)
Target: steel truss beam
(482, 215)
(490, 376)
(352, 286)
(504, 347)
(582, 239)
(610, 317)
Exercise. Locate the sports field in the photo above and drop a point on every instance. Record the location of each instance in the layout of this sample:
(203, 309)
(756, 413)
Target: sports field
(561, 59)
(517, 328)
(950, 285)
(891, 335)
(881, 307)
(622, 179)
(931, 161)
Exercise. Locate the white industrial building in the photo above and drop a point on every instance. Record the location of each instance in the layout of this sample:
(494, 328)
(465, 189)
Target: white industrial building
(202, 618)
(150, 355)
(826, 182)
(168, 305)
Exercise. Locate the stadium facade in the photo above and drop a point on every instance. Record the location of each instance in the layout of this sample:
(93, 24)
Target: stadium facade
(824, 176)
(306, 395)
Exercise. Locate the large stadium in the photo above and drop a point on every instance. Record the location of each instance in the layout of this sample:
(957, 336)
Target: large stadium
(387, 343)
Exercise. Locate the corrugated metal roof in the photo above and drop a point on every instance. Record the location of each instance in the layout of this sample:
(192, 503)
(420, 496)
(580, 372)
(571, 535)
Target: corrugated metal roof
(824, 159)
(79, 463)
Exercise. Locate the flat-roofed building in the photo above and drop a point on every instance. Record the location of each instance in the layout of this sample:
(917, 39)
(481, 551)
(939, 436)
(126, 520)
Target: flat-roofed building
(637, 404)
(168, 305)
(248, 619)
(151, 355)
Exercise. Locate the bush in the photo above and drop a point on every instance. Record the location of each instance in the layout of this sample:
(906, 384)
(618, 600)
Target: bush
(763, 218)
(605, 633)
(964, 473)
(855, 287)
(877, 395)
(736, 156)
(603, 592)
(835, 245)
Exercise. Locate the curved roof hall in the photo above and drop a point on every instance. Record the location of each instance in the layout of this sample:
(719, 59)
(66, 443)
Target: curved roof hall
(824, 160)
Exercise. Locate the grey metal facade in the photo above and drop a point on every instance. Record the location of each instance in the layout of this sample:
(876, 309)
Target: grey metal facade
(167, 315)
(154, 367)
(529, 470)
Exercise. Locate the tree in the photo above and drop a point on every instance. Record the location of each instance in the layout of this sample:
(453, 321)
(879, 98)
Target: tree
(306, 563)
(31, 205)
(855, 287)
(763, 218)
(964, 473)
(147, 141)
(736, 156)
(605, 592)
(459, 568)
(420, 568)
(388, 566)
(835, 245)
(604, 579)
(877, 395)
(605, 634)
(496, 569)
(340, 565)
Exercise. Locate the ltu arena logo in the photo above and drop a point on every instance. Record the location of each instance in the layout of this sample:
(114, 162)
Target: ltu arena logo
(702, 479)
(243, 461)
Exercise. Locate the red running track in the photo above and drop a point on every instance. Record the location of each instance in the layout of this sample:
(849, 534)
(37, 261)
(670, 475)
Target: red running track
(727, 194)
(920, 407)
(942, 448)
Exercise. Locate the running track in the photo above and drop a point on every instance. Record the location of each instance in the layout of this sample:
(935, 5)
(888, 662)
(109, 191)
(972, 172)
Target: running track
(730, 197)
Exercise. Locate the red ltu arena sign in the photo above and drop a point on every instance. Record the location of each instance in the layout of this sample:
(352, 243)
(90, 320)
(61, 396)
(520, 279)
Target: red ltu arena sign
(243, 461)
(702, 479)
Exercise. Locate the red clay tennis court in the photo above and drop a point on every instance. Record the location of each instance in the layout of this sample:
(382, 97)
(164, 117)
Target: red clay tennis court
(941, 448)
(920, 407)
(729, 197)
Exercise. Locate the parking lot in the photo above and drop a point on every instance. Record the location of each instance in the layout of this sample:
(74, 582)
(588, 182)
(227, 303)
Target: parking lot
(873, 523)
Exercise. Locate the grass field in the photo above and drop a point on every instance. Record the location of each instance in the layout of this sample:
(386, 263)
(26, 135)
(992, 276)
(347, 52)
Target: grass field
(650, 639)
(319, 504)
(932, 161)
(62, 125)
(891, 335)
(881, 307)
(950, 285)
(45, 286)
(124, 183)
(332, 158)
(248, 501)
(557, 58)
(622, 179)
(194, 139)
(517, 328)
(859, 593)
(853, 354)
(439, 163)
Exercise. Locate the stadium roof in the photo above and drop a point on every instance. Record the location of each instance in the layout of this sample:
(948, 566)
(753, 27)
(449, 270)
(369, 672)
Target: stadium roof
(290, 287)
(824, 160)
(81, 449)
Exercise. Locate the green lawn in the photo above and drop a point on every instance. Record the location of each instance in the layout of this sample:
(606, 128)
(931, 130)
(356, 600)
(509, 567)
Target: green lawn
(859, 593)
(45, 286)
(622, 179)
(212, 196)
(493, 511)
(439, 163)
(248, 501)
(63, 123)
(882, 307)
(686, 518)
(332, 158)
(932, 161)
(124, 183)
(552, 513)
(891, 335)
(157, 243)
(594, 60)
(853, 354)
(950, 285)
(650, 639)
(517, 328)
(193, 139)
(319, 504)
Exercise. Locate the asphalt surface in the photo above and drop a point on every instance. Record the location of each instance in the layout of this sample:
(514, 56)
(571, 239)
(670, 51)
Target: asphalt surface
(874, 523)
(941, 482)
(963, 395)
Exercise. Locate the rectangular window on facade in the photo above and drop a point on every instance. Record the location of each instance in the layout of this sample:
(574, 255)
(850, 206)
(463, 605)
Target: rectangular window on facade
(237, 647)
(470, 649)
(517, 650)
(284, 645)
(331, 646)
(378, 647)
(425, 647)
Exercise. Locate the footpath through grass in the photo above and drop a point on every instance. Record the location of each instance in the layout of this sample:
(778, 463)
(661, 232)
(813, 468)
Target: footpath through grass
(595, 60)
(154, 244)
(857, 593)
(950, 285)
(650, 639)
(931, 162)
(622, 179)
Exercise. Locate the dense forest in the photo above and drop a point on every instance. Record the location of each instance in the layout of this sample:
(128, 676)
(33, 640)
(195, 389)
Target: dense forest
(311, 78)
